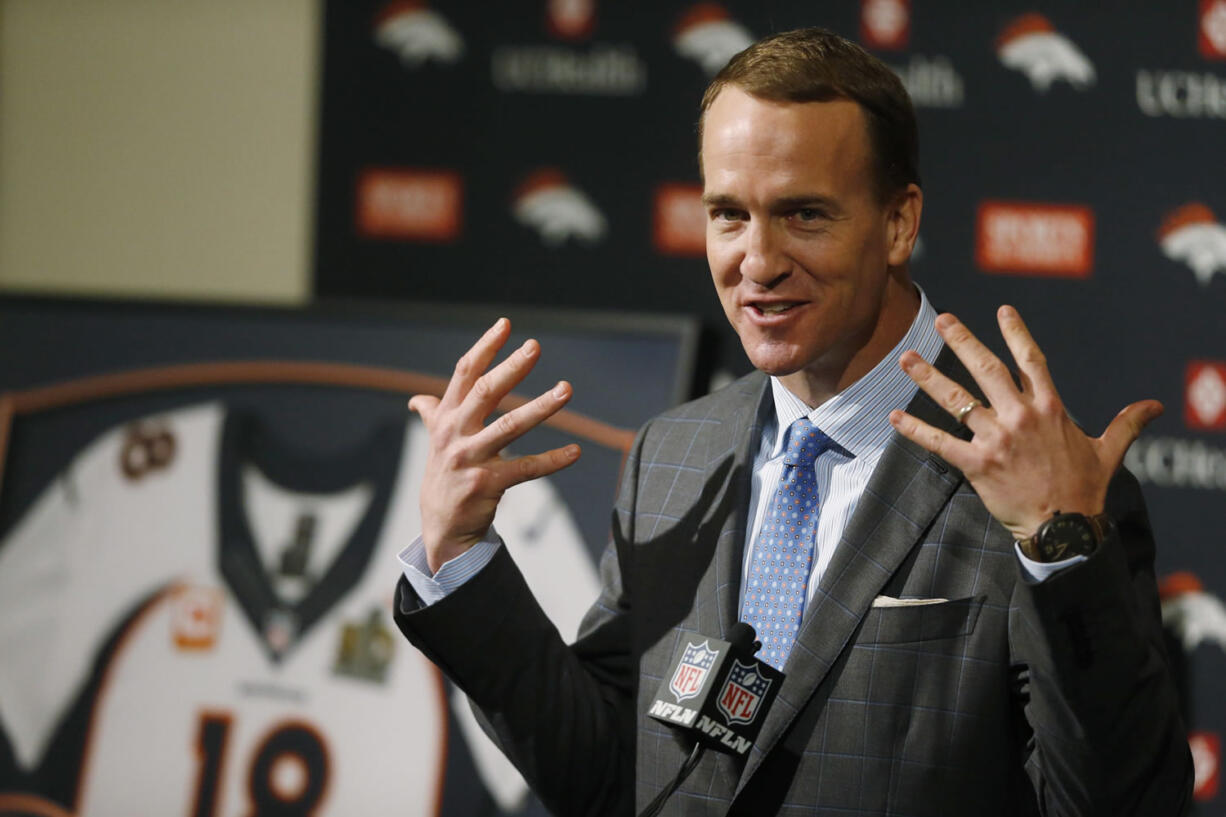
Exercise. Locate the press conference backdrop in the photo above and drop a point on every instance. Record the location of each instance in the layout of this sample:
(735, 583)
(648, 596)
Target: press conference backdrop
(1072, 156)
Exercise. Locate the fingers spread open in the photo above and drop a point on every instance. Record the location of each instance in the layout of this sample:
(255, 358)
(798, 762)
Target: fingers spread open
(947, 447)
(425, 405)
(489, 389)
(514, 424)
(475, 361)
(987, 369)
(1125, 429)
(947, 394)
(531, 466)
(1031, 361)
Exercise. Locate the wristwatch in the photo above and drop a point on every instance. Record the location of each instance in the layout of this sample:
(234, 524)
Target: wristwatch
(1066, 535)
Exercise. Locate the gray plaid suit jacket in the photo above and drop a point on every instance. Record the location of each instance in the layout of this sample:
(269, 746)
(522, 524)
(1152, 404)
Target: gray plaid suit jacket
(1010, 698)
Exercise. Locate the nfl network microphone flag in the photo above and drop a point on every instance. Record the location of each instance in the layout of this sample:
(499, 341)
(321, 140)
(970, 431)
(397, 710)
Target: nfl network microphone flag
(718, 692)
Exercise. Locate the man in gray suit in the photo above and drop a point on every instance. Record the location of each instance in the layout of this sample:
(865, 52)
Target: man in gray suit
(974, 629)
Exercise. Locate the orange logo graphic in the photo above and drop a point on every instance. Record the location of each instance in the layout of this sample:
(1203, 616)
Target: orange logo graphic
(680, 220)
(1207, 761)
(571, 19)
(1212, 38)
(421, 205)
(1035, 239)
(1205, 396)
(885, 24)
(196, 618)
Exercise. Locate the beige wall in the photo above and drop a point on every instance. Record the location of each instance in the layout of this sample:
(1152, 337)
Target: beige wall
(158, 147)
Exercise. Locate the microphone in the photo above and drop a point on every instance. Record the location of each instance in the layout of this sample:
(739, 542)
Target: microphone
(717, 691)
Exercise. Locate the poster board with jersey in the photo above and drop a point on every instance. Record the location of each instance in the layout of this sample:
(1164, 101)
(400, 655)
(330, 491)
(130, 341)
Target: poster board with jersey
(196, 582)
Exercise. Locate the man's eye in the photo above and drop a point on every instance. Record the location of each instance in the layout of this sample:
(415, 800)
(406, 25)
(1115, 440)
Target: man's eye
(809, 214)
(724, 214)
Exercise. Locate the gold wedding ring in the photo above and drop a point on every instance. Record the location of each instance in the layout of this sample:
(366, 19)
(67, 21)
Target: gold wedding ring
(967, 409)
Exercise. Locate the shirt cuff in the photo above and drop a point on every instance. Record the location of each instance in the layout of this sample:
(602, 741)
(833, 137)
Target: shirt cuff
(432, 587)
(1036, 572)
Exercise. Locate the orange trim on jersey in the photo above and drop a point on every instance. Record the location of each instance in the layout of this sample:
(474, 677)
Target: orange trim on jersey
(133, 624)
(33, 804)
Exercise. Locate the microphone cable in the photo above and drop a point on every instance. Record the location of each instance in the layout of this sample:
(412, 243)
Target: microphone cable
(654, 807)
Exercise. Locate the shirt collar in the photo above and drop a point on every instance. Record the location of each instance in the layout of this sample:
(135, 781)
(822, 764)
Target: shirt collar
(857, 418)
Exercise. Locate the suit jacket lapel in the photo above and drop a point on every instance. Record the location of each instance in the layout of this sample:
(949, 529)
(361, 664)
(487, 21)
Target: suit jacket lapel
(738, 437)
(908, 488)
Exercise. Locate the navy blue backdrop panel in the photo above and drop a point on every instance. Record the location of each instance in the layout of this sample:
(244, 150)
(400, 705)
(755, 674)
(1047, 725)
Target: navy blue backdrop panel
(623, 367)
(544, 152)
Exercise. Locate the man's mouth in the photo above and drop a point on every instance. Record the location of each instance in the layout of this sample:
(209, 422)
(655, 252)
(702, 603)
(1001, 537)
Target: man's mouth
(773, 309)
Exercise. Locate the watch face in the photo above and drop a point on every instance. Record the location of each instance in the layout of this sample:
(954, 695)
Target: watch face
(1065, 536)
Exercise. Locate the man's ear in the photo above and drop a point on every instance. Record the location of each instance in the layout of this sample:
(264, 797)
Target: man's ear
(903, 223)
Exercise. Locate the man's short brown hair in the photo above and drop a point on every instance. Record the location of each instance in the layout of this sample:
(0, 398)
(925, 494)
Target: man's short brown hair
(816, 65)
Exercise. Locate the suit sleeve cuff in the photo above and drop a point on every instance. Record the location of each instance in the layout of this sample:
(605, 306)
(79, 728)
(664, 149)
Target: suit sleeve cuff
(432, 587)
(1036, 572)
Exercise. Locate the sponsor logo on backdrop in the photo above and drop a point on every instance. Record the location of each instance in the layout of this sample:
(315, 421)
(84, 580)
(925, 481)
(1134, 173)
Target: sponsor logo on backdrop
(1212, 35)
(709, 36)
(932, 81)
(603, 69)
(1024, 238)
(1172, 462)
(417, 33)
(1192, 235)
(680, 222)
(558, 211)
(885, 24)
(1181, 94)
(1032, 45)
(571, 19)
(1193, 614)
(1204, 406)
(1207, 762)
(415, 205)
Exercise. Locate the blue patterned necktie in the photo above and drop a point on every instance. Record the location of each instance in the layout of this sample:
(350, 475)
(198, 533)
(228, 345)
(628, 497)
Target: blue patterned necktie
(778, 580)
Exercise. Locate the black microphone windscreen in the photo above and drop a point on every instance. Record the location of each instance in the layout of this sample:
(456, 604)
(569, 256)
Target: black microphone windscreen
(741, 636)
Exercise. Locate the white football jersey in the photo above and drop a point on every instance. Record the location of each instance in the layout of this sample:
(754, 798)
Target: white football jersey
(221, 607)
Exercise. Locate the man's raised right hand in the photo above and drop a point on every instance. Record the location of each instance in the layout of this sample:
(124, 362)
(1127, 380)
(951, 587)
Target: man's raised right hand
(466, 474)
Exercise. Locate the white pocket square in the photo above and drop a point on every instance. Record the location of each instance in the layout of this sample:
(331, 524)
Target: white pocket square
(890, 601)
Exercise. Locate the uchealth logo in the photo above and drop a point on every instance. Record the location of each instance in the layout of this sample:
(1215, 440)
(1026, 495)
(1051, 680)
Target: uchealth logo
(1207, 764)
(549, 204)
(1212, 35)
(885, 25)
(1031, 44)
(415, 205)
(417, 33)
(1193, 235)
(1193, 614)
(571, 19)
(1052, 240)
(709, 36)
(680, 220)
(1205, 395)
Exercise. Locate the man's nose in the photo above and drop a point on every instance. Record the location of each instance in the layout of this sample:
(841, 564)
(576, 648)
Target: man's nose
(764, 262)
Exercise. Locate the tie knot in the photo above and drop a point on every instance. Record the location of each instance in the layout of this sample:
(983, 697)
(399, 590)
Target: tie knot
(804, 442)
